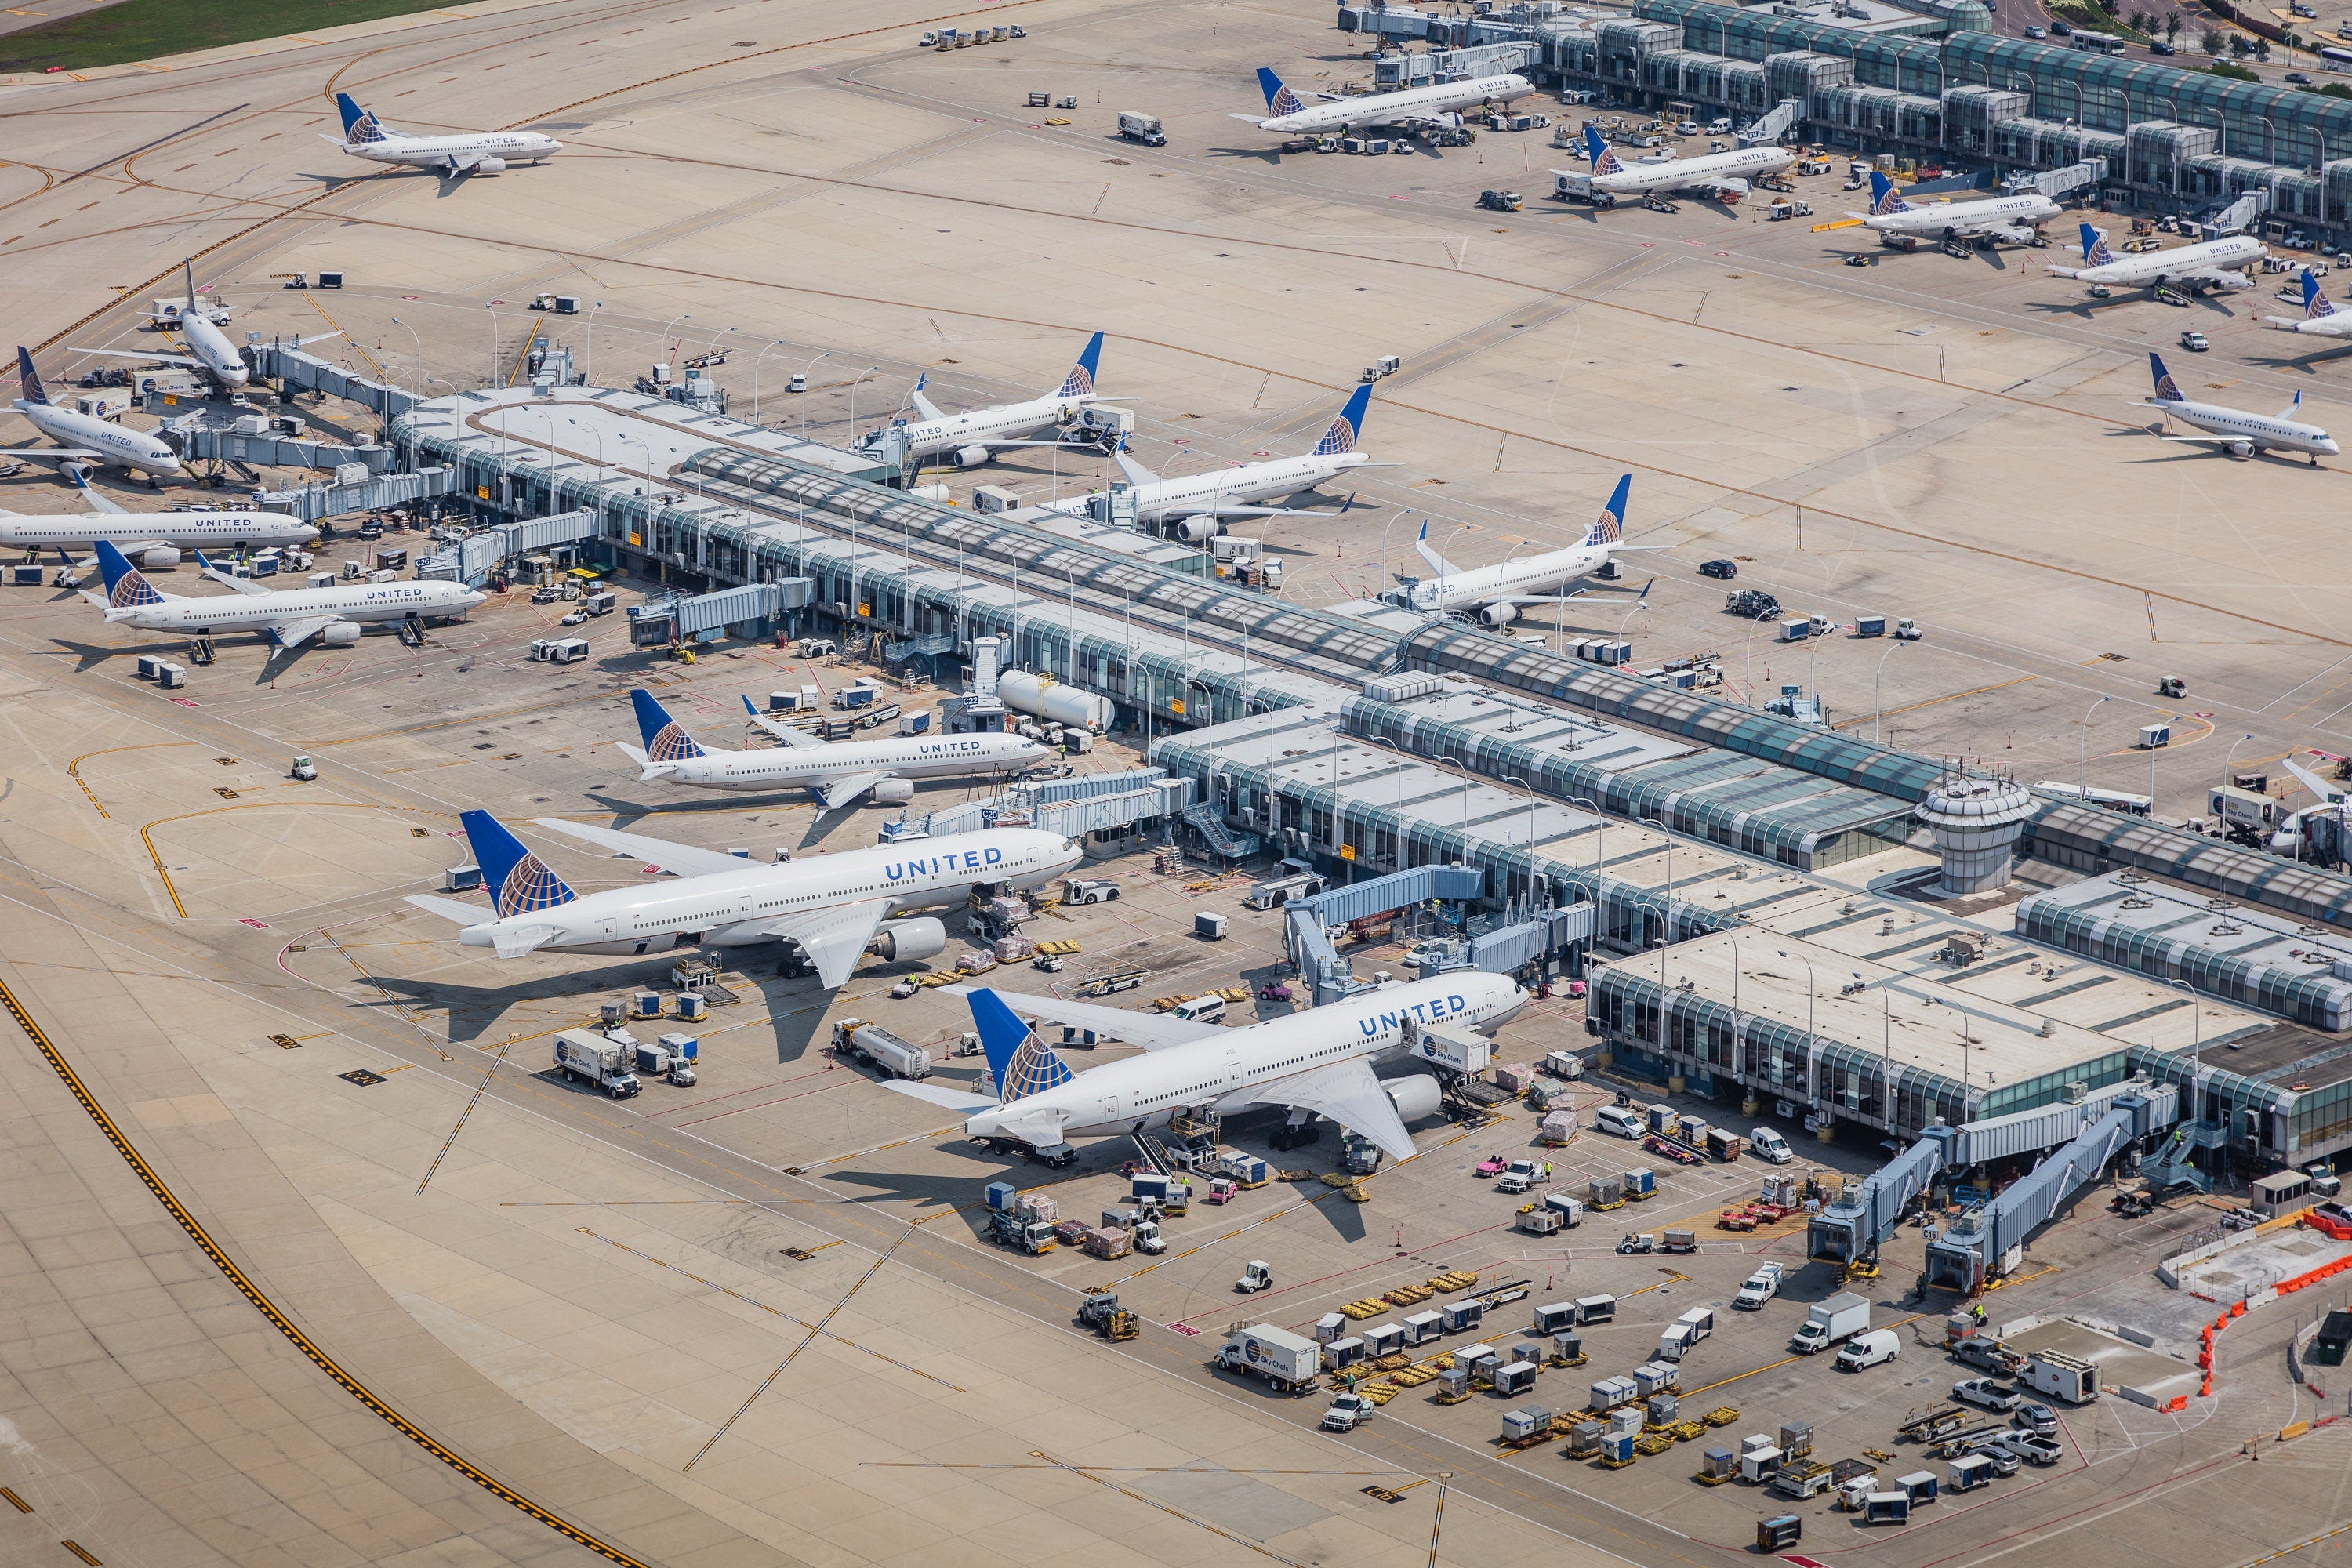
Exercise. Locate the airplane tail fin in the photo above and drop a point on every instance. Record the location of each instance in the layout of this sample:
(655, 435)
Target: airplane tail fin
(1609, 528)
(1885, 199)
(1080, 382)
(1279, 99)
(2094, 247)
(666, 739)
(1347, 427)
(2316, 304)
(519, 881)
(1597, 150)
(358, 124)
(2167, 389)
(1021, 1064)
(127, 587)
(27, 378)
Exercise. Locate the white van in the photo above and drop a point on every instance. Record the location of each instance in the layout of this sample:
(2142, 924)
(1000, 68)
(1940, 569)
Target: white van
(1769, 1145)
(1200, 1010)
(1869, 1349)
(1617, 1119)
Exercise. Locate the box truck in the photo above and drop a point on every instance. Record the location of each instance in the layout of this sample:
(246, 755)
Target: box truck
(1288, 1362)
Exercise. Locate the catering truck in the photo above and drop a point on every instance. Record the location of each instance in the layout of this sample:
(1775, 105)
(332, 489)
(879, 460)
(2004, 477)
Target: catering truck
(1289, 1363)
(602, 1063)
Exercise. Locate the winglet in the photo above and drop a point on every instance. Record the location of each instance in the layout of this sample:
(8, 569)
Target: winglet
(1021, 1064)
(1080, 382)
(519, 881)
(666, 739)
(1348, 425)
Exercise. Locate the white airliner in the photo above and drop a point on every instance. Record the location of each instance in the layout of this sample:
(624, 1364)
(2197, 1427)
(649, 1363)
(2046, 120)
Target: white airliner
(84, 441)
(838, 773)
(155, 539)
(2234, 430)
(831, 907)
(2017, 219)
(969, 439)
(1496, 593)
(1723, 176)
(1197, 502)
(472, 153)
(1318, 1063)
(210, 353)
(2215, 263)
(2320, 319)
(1412, 109)
(334, 616)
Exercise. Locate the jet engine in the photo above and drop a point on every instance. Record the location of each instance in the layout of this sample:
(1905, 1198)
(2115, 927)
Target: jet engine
(341, 634)
(894, 792)
(1192, 530)
(900, 939)
(77, 470)
(968, 456)
(491, 166)
(157, 556)
(2240, 449)
(1499, 615)
(1414, 1096)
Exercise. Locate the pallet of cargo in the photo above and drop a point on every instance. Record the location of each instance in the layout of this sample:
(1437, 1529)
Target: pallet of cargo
(1413, 1376)
(1378, 1393)
(1407, 1295)
(1395, 1361)
(1578, 1359)
(1461, 1398)
(1359, 1311)
(1058, 949)
(1705, 1480)
(1532, 1440)
(1456, 1280)
(1234, 993)
(940, 977)
(1169, 1004)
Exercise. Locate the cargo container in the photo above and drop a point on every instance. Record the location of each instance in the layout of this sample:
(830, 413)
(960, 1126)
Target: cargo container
(1462, 1317)
(1655, 1377)
(1340, 1355)
(1757, 1465)
(1724, 1144)
(1640, 1183)
(1107, 1241)
(1209, 927)
(1521, 1426)
(1422, 1327)
(1569, 1209)
(1288, 1362)
(1610, 1392)
(1595, 1309)
(1383, 1339)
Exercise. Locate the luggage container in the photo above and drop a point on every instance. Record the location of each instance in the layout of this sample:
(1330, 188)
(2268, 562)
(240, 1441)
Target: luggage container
(1001, 1196)
(1554, 1316)
(1656, 1377)
(1422, 1327)
(1605, 1191)
(1570, 1210)
(1341, 1355)
(1967, 1473)
(171, 676)
(1662, 1410)
(1329, 1326)
(1610, 1392)
(1757, 1465)
(1480, 1361)
(1595, 1309)
(1568, 1346)
(1675, 1342)
(1616, 1448)
(1585, 1439)
(1519, 1425)
(1209, 927)
(1383, 1339)
(1625, 1419)
(1870, 625)
(1515, 1378)
(1640, 1183)
(1453, 1385)
(1718, 1464)
(1887, 1507)
(1462, 1317)
(1796, 1440)
(1725, 1145)
(1772, 1534)
(1919, 1486)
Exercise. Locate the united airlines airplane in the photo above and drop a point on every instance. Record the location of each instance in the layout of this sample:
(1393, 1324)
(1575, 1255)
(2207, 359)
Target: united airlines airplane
(1318, 1063)
(2214, 263)
(2320, 317)
(838, 773)
(1723, 176)
(334, 616)
(1496, 593)
(84, 441)
(970, 440)
(1287, 115)
(2017, 219)
(830, 907)
(2234, 430)
(470, 152)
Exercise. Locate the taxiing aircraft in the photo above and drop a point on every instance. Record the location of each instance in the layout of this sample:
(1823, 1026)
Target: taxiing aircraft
(2211, 264)
(84, 441)
(469, 153)
(1318, 1063)
(1495, 593)
(1413, 109)
(969, 439)
(334, 616)
(2017, 219)
(2234, 430)
(830, 907)
(2320, 319)
(1720, 176)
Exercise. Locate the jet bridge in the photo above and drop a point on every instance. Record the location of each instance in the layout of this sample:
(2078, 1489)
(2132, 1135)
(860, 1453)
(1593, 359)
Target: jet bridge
(1866, 1214)
(1305, 921)
(1991, 1240)
(1777, 122)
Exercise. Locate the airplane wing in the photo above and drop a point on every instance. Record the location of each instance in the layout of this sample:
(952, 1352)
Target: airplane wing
(247, 586)
(1152, 1031)
(453, 166)
(832, 938)
(784, 732)
(104, 502)
(1728, 191)
(1137, 474)
(82, 453)
(184, 361)
(2313, 782)
(1347, 1093)
(839, 793)
(295, 633)
(682, 858)
(455, 909)
(962, 1101)
(2016, 234)
(2219, 279)
(1247, 118)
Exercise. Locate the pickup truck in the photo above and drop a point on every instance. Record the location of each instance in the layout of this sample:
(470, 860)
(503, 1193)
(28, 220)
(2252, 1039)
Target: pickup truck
(1985, 1391)
(1760, 1287)
(2033, 1448)
(1348, 1412)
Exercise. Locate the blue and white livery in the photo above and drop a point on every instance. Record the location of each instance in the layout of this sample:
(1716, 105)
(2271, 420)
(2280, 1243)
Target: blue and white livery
(836, 772)
(1719, 176)
(2017, 218)
(1318, 1063)
(2233, 430)
(1413, 109)
(2211, 264)
(1494, 594)
(969, 439)
(831, 907)
(2320, 317)
(469, 153)
(84, 441)
(333, 616)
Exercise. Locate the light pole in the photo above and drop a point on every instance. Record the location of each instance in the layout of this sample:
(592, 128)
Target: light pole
(755, 378)
(492, 379)
(2196, 1046)
(1893, 648)
(1397, 859)
(2170, 720)
(1811, 1039)
(1383, 582)
(599, 437)
(2082, 752)
(852, 399)
(2228, 761)
(1653, 821)
(420, 356)
(804, 374)
(1600, 834)
(590, 368)
(1665, 932)
(1464, 769)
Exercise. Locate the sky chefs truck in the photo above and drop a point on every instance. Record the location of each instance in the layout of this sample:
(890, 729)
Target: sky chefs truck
(1826, 1323)
(601, 1063)
(1288, 1362)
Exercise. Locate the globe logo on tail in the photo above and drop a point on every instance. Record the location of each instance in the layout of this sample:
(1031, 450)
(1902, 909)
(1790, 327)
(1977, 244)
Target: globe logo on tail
(366, 129)
(1033, 1070)
(672, 744)
(530, 887)
(1079, 383)
(1608, 529)
(1341, 438)
(131, 591)
(1285, 103)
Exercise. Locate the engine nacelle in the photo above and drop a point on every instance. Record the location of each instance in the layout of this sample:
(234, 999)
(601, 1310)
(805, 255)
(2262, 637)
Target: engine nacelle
(1499, 615)
(893, 792)
(968, 456)
(77, 470)
(341, 634)
(1415, 1097)
(491, 166)
(2241, 448)
(898, 940)
(157, 556)
(1193, 530)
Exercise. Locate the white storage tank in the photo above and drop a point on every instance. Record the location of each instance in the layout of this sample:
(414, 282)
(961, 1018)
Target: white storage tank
(1049, 698)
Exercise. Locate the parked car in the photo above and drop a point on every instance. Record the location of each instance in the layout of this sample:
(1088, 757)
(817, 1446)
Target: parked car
(2033, 1448)
(1985, 1391)
(1618, 1119)
(2036, 1417)
(2298, 79)
(2037, 32)
(1727, 570)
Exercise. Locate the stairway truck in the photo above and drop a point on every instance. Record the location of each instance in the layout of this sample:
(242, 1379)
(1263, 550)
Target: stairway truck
(1830, 1322)
(596, 1062)
(2059, 1376)
(1289, 1363)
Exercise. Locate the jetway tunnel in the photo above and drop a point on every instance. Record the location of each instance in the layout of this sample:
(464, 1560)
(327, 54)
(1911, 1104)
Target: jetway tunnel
(1991, 1240)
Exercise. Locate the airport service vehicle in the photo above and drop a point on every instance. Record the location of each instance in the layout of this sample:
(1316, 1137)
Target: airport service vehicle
(1770, 1146)
(1719, 176)
(84, 441)
(830, 909)
(1494, 594)
(1723, 570)
(1318, 1064)
(1841, 1316)
(2211, 264)
(1348, 1412)
(334, 616)
(1414, 109)
(1255, 1277)
(152, 540)
(969, 439)
(1143, 128)
(1869, 1349)
(2036, 1417)
(1492, 1165)
(1196, 502)
(1620, 1120)
(469, 153)
(2234, 430)
(838, 773)
(2195, 342)
(1760, 1287)
(2034, 1448)
(2320, 317)
(1289, 1363)
(2017, 219)
(599, 1062)
(1985, 1391)
(1089, 891)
